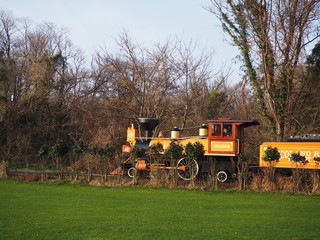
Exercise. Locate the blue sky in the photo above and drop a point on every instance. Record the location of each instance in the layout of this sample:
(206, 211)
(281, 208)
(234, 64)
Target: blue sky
(94, 23)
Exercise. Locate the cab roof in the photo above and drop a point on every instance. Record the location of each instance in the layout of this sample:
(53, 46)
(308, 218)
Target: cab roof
(245, 123)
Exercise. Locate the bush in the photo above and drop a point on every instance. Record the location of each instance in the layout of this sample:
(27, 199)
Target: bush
(271, 154)
(174, 151)
(79, 148)
(298, 158)
(138, 152)
(106, 151)
(59, 149)
(243, 170)
(316, 159)
(299, 174)
(43, 151)
(156, 148)
(194, 151)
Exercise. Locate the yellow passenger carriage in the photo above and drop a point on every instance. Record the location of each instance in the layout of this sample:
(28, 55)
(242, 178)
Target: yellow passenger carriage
(307, 146)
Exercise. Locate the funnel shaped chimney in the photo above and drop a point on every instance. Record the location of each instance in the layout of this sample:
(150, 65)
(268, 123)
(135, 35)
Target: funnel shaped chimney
(148, 125)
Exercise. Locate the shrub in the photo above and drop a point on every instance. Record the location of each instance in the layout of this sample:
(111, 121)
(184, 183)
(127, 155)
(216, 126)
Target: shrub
(174, 151)
(156, 148)
(43, 151)
(194, 151)
(298, 158)
(138, 152)
(299, 176)
(79, 148)
(271, 154)
(59, 149)
(107, 151)
(316, 159)
(243, 170)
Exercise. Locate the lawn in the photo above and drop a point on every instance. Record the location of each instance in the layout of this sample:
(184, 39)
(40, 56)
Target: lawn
(52, 211)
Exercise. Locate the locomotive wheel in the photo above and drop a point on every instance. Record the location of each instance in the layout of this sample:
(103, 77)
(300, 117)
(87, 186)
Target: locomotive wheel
(132, 172)
(222, 176)
(187, 169)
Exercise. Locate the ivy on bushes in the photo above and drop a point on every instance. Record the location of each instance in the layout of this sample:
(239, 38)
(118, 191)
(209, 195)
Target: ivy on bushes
(298, 158)
(194, 151)
(60, 148)
(79, 148)
(271, 154)
(174, 150)
(138, 152)
(156, 149)
(43, 151)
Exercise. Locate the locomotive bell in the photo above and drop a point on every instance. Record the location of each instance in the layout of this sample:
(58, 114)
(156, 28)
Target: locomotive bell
(203, 131)
(175, 133)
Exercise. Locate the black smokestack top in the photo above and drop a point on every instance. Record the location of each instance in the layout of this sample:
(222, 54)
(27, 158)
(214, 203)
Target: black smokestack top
(148, 125)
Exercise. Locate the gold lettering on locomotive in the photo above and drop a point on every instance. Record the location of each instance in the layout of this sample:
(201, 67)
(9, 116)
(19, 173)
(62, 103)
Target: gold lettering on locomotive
(222, 146)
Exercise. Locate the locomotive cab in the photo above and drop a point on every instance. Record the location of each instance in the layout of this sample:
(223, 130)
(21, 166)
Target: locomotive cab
(225, 144)
(226, 136)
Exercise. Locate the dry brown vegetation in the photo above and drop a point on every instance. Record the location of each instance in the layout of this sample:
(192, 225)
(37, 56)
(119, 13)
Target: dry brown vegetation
(306, 183)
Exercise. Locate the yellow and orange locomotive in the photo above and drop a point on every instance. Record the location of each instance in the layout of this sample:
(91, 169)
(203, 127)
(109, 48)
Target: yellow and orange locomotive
(222, 140)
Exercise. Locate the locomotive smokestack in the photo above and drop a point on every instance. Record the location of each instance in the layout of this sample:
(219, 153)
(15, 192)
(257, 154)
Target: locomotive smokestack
(148, 125)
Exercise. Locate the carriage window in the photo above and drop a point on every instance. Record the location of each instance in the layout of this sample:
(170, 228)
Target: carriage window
(216, 130)
(227, 130)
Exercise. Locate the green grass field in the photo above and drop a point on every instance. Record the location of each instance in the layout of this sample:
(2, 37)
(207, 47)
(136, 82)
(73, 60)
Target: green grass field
(52, 211)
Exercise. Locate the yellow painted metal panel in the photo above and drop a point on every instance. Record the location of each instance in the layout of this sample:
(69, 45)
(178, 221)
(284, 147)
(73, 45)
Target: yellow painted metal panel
(307, 149)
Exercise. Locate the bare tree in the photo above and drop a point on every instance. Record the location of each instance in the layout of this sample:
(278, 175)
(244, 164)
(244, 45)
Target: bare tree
(194, 73)
(135, 82)
(169, 82)
(39, 71)
(271, 36)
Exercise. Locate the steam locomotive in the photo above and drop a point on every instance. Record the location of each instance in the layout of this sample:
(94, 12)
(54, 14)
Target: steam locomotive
(223, 143)
(222, 140)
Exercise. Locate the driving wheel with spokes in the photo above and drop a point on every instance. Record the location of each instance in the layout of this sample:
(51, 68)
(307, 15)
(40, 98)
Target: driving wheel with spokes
(187, 169)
